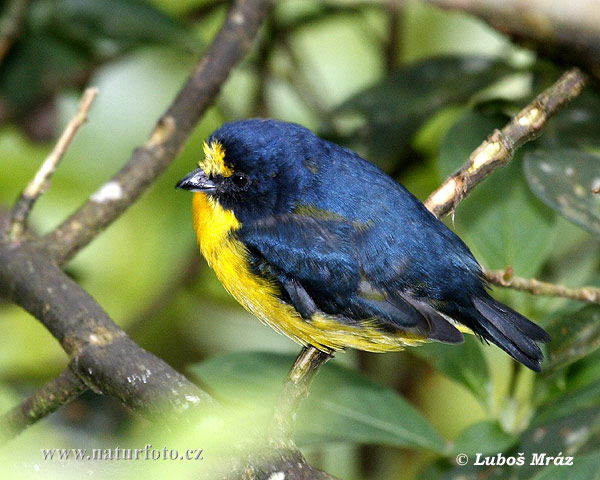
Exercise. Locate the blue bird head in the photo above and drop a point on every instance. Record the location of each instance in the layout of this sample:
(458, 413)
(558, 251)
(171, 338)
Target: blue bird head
(257, 167)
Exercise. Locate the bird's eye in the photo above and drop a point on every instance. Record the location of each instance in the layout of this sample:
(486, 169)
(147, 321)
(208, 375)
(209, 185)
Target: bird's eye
(239, 180)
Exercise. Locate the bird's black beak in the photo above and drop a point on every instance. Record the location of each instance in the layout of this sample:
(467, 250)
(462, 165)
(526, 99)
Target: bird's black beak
(197, 181)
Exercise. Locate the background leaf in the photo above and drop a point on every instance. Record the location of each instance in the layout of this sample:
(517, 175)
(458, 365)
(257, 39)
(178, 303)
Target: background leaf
(343, 406)
(573, 434)
(381, 120)
(585, 467)
(486, 437)
(566, 403)
(64, 41)
(93, 23)
(565, 179)
(574, 335)
(464, 363)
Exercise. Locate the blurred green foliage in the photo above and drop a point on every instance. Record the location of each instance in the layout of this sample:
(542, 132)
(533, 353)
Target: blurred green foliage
(415, 101)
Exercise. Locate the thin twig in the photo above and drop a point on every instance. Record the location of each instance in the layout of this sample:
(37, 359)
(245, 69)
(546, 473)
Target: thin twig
(506, 278)
(40, 183)
(565, 32)
(498, 150)
(295, 390)
(501, 145)
(58, 392)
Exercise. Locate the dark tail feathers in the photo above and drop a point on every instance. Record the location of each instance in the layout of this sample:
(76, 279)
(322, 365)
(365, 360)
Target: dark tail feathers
(507, 329)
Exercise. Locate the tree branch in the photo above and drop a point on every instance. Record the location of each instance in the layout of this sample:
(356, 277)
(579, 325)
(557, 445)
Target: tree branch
(501, 145)
(506, 278)
(566, 32)
(40, 183)
(295, 390)
(170, 133)
(101, 353)
(58, 392)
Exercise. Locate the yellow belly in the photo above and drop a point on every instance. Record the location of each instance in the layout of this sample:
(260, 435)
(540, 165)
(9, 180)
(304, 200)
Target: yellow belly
(228, 257)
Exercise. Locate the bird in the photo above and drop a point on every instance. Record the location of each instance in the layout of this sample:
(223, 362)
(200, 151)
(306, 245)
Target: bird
(325, 247)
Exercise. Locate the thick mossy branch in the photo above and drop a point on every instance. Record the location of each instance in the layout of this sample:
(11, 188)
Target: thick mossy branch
(102, 355)
(58, 392)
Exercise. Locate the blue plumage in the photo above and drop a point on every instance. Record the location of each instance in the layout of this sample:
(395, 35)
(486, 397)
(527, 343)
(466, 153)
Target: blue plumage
(341, 237)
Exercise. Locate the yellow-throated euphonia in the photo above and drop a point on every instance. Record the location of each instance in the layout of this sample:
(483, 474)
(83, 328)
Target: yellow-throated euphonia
(323, 246)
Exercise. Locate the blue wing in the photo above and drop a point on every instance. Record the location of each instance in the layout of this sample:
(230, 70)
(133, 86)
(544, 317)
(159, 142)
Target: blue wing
(317, 261)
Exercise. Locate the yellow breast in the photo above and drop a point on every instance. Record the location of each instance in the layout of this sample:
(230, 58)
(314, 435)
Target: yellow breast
(215, 231)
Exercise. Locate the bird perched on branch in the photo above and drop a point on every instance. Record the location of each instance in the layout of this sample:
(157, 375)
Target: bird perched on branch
(323, 246)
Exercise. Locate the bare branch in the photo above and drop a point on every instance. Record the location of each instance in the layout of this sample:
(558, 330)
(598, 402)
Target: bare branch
(169, 135)
(500, 146)
(295, 390)
(567, 32)
(506, 278)
(41, 181)
(498, 150)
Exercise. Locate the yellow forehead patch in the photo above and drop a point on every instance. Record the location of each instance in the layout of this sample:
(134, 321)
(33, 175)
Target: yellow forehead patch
(214, 160)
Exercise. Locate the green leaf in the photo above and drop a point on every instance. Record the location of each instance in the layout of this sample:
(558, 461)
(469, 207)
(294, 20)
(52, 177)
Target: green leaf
(501, 220)
(486, 437)
(574, 335)
(564, 404)
(464, 363)
(564, 180)
(585, 467)
(343, 405)
(385, 117)
(127, 23)
(65, 40)
(35, 67)
(575, 433)
(584, 372)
